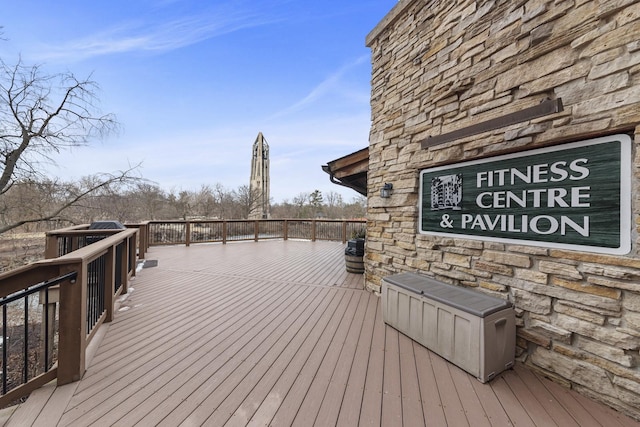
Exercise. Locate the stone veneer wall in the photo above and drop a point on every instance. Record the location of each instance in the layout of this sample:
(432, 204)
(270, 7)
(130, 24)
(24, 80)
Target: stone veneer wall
(441, 65)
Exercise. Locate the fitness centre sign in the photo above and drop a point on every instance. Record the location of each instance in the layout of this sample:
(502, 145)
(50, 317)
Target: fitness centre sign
(573, 196)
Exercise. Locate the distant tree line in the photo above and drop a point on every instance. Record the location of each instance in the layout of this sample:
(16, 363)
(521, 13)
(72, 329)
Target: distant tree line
(140, 200)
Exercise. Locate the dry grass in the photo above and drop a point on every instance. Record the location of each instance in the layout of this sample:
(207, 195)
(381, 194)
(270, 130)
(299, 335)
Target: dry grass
(17, 249)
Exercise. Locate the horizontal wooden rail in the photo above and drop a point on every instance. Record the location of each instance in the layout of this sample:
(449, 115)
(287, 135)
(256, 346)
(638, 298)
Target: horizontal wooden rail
(223, 231)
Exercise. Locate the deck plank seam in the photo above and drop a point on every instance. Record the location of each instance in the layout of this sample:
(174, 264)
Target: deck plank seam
(306, 296)
(295, 343)
(219, 315)
(327, 335)
(301, 358)
(227, 333)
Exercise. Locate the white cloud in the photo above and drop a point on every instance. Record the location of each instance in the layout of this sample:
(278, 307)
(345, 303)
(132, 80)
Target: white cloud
(144, 36)
(320, 90)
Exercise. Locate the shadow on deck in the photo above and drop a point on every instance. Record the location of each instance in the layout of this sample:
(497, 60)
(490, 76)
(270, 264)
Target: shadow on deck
(278, 333)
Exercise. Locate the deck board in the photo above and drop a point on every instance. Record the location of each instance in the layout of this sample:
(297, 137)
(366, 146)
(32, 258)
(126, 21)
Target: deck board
(296, 395)
(471, 403)
(265, 410)
(204, 381)
(278, 333)
(510, 403)
(370, 412)
(559, 415)
(334, 395)
(279, 328)
(528, 401)
(275, 334)
(451, 403)
(352, 399)
(392, 389)
(432, 408)
(410, 387)
(245, 399)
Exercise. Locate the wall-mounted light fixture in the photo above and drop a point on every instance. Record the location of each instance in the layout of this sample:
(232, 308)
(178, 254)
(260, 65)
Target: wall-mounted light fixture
(385, 192)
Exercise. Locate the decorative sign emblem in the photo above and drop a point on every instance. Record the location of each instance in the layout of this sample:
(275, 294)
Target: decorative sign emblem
(446, 192)
(574, 196)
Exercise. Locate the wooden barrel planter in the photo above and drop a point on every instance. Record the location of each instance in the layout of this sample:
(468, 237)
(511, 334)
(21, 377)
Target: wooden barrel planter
(355, 264)
(354, 256)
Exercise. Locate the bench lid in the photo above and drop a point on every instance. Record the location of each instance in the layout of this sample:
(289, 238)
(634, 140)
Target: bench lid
(467, 300)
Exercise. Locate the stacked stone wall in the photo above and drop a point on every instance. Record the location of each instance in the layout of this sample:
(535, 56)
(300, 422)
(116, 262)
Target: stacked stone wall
(439, 66)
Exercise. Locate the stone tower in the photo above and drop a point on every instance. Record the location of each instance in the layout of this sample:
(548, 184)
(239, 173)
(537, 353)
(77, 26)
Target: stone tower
(259, 184)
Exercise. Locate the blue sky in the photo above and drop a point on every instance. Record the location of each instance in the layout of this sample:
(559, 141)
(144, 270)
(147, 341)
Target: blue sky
(193, 82)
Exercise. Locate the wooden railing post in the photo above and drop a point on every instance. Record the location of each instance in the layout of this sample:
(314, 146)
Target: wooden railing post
(286, 229)
(75, 243)
(224, 232)
(72, 342)
(49, 300)
(313, 230)
(51, 246)
(187, 237)
(125, 261)
(133, 257)
(344, 231)
(256, 230)
(143, 237)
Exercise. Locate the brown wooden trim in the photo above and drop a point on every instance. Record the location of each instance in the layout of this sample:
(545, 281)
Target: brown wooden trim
(50, 246)
(344, 232)
(73, 326)
(224, 232)
(27, 388)
(23, 277)
(546, 107)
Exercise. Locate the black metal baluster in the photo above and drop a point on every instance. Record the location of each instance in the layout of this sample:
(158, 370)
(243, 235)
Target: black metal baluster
(25, 362)
(46, 330)
(4, 348)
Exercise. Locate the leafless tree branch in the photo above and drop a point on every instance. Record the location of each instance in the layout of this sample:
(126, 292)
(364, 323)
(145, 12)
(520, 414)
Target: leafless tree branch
(42, 114)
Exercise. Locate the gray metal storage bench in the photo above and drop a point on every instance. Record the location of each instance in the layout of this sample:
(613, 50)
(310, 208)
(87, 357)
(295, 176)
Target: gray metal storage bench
(472, 330)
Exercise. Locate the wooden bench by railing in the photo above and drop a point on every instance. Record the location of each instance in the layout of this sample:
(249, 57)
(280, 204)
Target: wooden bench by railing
(85, 283)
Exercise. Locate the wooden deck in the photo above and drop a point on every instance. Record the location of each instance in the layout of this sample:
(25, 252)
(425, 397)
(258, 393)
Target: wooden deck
(277, 333)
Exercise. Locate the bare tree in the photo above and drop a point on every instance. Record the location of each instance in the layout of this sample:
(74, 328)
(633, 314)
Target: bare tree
(248, 201)
(315, 201)
(205, 202)
(29, 201)
(41, 115)
(150, 200)
(182, 202)
(224, 200)
(357, 208)
(300, 202)
(334, 205)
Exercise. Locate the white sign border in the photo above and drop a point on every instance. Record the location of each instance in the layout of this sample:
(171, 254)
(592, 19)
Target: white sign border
(625, 197)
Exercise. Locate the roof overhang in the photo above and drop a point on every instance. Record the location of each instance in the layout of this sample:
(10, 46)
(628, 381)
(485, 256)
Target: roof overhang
(350, 171)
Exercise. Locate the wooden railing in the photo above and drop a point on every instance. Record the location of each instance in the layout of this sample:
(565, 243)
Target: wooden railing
(222, 231)
(84, 272)
(81, 285)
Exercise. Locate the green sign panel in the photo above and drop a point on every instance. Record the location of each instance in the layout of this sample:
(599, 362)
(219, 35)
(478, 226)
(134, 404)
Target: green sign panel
(574, 196)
